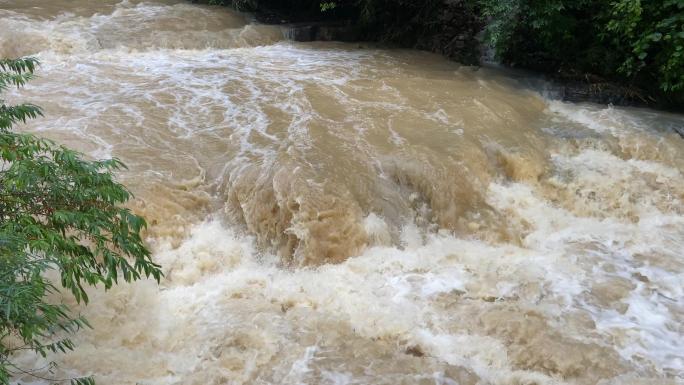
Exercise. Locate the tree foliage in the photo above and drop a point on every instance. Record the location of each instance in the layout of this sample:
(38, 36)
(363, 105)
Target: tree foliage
(635, 41)
(653, 32)
(58, 212)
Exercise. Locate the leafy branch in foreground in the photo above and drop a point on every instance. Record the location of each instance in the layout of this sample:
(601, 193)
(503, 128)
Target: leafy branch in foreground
(61, 212)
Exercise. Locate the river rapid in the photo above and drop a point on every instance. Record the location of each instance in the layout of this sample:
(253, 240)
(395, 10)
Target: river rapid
(331, 213)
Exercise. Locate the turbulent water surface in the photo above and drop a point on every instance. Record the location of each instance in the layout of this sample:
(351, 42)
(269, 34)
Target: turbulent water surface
(340, 214)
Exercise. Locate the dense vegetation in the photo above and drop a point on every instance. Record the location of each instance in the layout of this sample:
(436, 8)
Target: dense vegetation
(638, 44)
(58, 212)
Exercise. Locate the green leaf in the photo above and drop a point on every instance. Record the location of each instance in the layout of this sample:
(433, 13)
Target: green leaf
(58, 211)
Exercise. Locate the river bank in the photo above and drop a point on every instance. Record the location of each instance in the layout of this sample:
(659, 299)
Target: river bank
(454, 29)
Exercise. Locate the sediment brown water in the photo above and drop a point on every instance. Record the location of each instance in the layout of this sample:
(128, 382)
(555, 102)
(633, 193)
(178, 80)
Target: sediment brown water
(331, 213)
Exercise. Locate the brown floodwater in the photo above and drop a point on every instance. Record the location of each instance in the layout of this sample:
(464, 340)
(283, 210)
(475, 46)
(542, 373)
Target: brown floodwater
(331, 213)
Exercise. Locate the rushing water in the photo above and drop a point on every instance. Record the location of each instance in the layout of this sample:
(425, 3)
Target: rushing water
(340, 214)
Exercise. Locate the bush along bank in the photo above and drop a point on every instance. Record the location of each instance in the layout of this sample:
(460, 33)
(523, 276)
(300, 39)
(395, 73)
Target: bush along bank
(628, 52)
(621, 51)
